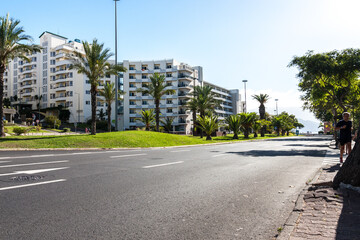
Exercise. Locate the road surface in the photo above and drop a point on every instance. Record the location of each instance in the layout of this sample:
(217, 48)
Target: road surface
(244, 190)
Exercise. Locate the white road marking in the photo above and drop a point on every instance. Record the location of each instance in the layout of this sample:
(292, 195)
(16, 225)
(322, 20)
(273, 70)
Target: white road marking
(31, 184)
(44, 155)
(5, 158)
(161, 165)
(131, 155)
(122, 151)
(180, 151)
(219, 155)
(81, 153)
(32, 171)
(29, 164)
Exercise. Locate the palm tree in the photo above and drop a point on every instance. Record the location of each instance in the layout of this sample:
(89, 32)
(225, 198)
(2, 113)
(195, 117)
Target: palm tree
(167, 124)
(108, 92)
(157, 89)
(205, 100)
(234, 123)
(262, 99)
(208, 124)
(11, 46)
(148, 118)
(247, 122)
(94, 64)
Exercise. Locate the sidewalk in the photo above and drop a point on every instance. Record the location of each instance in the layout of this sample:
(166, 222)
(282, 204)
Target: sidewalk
(324, 213)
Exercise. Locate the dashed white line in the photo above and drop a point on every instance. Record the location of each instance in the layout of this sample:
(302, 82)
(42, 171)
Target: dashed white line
(180, 151)
(32, 184)
(219, 155)
(32, 171)
(161, 165)
(130, 155)
(122, 151)
(29, 164)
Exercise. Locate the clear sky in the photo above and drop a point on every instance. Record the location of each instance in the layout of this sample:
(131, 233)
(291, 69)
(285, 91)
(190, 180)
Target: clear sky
(232, 39)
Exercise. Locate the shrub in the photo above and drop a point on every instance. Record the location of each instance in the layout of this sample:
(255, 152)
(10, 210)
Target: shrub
(66, 130)
(20, 130)
(52, 121)
(5, 122)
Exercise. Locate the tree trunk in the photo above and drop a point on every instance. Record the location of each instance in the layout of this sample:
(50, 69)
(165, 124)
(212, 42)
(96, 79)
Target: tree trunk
(157, 114)
(93, 110)
(194, 122)
(2, 71)
(201, 131)
(255, 135)
(235, 136)
(262, 116)
(208, 137)
(349, 173)
(246, 133)
(109, 117)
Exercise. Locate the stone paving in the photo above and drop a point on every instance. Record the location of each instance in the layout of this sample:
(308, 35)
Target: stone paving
(327, 213)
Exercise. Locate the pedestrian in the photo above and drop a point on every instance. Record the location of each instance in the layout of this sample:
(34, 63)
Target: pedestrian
(345, 127)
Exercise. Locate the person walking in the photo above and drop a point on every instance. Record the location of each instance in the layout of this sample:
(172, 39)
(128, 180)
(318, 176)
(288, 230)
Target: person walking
(345, 127)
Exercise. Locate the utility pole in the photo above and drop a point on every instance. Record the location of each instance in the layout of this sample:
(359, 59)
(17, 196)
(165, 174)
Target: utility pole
(116, 77)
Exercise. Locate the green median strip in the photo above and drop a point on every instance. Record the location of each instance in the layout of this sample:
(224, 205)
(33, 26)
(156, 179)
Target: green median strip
(127, 139)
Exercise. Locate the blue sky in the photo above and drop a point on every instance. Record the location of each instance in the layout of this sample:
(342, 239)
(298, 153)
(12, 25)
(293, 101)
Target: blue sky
(231, 39)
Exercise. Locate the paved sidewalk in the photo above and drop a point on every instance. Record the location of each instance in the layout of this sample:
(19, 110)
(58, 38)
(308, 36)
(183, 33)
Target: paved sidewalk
(324, 213)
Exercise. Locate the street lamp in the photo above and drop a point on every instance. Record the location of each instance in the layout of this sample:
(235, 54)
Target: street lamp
(245, 81)
(277, 110)
(116, 76)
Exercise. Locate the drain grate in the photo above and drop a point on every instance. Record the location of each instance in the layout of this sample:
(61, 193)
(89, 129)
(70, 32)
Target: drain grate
(27, 178)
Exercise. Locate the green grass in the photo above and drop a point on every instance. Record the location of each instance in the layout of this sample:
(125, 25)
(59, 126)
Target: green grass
(33, 130)
(127, 139)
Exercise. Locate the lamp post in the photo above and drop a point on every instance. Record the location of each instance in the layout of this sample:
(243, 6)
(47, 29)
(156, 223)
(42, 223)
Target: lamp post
(245, 81)
(116, 76)
(277, 110)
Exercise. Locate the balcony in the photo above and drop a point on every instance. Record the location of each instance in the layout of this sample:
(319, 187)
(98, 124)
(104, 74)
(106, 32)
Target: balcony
(185, 68)
(185, 77)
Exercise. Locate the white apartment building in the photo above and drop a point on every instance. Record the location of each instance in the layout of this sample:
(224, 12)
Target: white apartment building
(48, 75)
(180, 77)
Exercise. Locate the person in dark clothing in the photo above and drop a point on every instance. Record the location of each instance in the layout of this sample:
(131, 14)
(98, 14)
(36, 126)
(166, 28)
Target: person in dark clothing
(345, 126)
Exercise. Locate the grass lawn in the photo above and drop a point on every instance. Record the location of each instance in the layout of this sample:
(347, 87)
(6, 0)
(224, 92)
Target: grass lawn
(33, 129)
(127, 139)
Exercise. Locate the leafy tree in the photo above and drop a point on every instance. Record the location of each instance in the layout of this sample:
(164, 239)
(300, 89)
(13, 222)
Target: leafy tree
(101, 115)
(108, 92)
(247, 122)
(262, 99)
(256, 127)
(192, 105)
(276, 122)
(157, 89)
(6, 102)
(208, 124)
(234, 123)
(148, 118)
(95, 65)
(11, 46)
(168, 124)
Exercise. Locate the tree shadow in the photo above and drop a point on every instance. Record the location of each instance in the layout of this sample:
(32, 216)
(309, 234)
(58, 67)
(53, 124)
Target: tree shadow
(348, 224)
(25, 139)
(333, 168)
(295, 139)
(304, 145)
(281, 153)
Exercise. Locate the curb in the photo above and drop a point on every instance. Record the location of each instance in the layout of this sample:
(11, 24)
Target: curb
(291, 221)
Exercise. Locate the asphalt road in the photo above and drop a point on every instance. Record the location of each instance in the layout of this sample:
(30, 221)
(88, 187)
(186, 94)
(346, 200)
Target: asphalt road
(244, 190)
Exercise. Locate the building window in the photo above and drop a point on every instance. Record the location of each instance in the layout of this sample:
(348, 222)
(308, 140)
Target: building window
(168, 66)
(70, 75)
(132, 103)
(131, 67)
(52, 54)
(45, 73)
(168, 75)
(132, 94)
(169, 110)
(70, 83)
(144, 76)
(144, 103)
(33, 59)
(44, 50)
(52, 62)
(131, 77)
(157, 67)
(52, 70)
(87, 92)
(44, 58)
(87, 81)
(87, 102)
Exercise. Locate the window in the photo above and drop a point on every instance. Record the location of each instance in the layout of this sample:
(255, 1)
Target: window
(44, 97)
(33, 59)
(70, 75)
(44, 89)
(144, 67)
(44, 50)
(168, 66)
(169, 102)
(132, 111)
(52, 62)
(44, 58)
(132, 94)
(52, 70)
(131, 85)
(169, 110)
(87, 102)
(131, 68)
(87, 81)
(157, 67)
(52, 54)
(70, 83)
(131, 77)
(45, 73)
(87, 92)
(168, 75)
(144, 103)
(107, 75)
(44, 65)
(132, 103)
(144, 76)
(52, 96)
(53, 78)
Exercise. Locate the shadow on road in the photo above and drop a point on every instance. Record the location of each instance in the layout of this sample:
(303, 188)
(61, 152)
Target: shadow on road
(304, 145)
(303, 139)
(277, 153)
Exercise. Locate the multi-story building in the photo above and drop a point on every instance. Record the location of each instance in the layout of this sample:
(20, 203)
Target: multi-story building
(180, 77)
(47, 81)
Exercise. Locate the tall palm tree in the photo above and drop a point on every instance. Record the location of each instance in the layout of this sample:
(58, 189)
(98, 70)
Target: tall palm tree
(108, 92)
(157, 89)
(262, 99)
(148, 118)
(247, 122)
(95, 65)
(167, 124)
(11, 46)
(208, 124)
(234, 123)
(205, 99)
